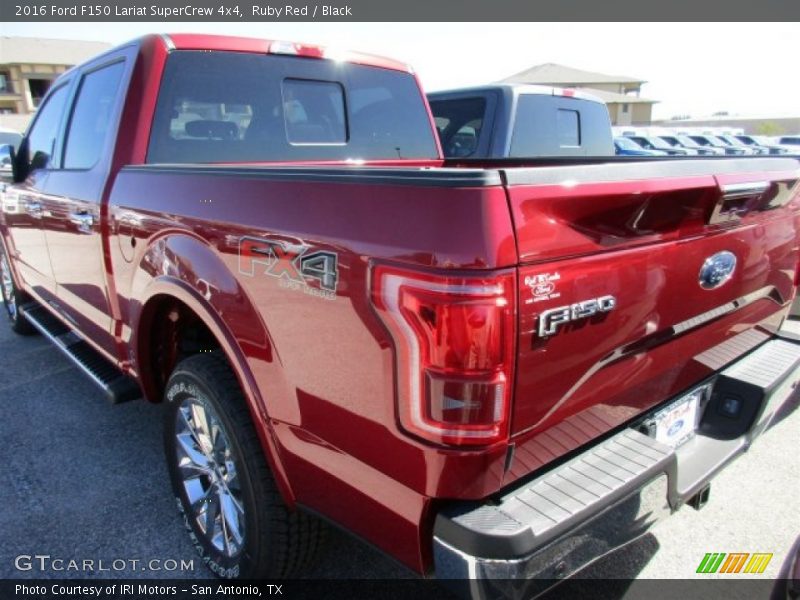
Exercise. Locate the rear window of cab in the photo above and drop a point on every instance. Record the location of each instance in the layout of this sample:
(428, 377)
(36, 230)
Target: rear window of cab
(237, 107)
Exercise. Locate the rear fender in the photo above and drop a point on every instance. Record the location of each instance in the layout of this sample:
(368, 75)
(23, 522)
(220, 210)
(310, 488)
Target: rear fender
(185, 268)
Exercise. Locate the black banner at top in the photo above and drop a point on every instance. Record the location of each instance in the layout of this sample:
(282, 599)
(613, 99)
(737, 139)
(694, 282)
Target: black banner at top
(244, 11)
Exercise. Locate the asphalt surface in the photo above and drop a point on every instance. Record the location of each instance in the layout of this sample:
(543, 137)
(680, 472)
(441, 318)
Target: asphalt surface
(82, 479)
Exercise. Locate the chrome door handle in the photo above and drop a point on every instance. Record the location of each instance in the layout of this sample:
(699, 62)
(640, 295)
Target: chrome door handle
(83, 220)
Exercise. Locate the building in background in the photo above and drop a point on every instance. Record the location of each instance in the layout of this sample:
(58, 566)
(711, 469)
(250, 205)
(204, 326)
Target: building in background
(27, 68)
(620, 93)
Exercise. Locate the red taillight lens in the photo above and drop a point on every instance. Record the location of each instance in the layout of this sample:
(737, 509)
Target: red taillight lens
(454, 344)
(797, 275)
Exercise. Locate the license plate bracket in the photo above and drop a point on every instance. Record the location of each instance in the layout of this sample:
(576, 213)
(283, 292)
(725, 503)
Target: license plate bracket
(676, 423)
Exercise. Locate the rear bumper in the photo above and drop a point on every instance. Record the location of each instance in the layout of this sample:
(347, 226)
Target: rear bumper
(612, 493)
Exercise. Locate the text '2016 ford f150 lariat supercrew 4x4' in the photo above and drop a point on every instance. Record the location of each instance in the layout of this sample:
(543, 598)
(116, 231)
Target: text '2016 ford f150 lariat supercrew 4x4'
(498, 370)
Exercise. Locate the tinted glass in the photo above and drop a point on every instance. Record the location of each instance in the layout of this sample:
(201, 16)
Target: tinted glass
(314, 112)
(559, 126)
(569, 127)
(42, 136)
(238, 107)
(91, 117)
(459, 122)
(626, 143)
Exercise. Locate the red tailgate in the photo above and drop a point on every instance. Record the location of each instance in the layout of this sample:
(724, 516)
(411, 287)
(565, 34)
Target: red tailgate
(629, 241)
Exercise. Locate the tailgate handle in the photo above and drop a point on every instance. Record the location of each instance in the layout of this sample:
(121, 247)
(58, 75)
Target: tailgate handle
(736, 200)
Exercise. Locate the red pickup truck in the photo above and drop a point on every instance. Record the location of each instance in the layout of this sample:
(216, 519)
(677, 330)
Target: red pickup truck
(496, 370)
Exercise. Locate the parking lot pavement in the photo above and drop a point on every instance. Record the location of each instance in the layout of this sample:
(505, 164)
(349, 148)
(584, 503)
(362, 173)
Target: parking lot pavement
(86, 480)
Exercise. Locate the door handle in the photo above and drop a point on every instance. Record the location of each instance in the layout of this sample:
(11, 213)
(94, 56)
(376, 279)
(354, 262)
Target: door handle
(83, 220)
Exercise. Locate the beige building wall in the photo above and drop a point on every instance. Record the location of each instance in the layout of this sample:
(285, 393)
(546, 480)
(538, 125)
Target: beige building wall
(642, 113)
(618, 115)
(29, 66)
(638, 113)
(19, 76)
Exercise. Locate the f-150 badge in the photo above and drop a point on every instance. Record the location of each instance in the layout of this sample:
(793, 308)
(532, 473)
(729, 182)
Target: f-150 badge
(296, 266)
(550, 320)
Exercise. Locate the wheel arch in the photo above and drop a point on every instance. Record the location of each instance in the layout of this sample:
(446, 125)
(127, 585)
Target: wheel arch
(154, 290)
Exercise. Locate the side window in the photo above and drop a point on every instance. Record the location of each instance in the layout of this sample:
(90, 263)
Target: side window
(91, 116)
(314, 112)
(42, 136)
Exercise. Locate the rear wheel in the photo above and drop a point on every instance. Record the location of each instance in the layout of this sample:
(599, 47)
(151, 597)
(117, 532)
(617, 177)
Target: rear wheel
(13, 298)
(223, 487)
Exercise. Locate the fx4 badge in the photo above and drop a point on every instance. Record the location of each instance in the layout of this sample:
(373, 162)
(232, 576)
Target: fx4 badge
(550, 320)
(296, 266)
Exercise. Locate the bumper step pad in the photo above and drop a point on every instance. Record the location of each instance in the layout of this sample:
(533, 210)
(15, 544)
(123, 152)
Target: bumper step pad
(552, 504)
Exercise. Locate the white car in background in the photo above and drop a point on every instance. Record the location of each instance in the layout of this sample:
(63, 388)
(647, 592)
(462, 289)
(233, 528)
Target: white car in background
(711, 141)
(763, 141)
(684, 141)
(790, 142)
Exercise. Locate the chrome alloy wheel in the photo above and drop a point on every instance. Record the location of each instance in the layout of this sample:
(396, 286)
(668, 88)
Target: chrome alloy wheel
(7, 284)
(207, 467)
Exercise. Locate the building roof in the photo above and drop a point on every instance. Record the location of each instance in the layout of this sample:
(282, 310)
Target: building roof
(44, 51)
(613, 97)
(553, 74)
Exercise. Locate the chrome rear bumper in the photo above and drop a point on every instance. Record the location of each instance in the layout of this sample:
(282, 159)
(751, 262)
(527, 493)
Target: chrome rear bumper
(523, 542)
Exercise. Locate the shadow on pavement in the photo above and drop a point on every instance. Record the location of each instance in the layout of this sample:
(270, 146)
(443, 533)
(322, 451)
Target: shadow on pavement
(609, 577)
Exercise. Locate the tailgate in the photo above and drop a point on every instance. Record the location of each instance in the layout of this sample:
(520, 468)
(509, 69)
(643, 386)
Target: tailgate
(638, 280)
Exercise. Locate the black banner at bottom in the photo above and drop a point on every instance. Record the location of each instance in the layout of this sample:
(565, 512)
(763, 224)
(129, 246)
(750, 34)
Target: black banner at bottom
(416, 589)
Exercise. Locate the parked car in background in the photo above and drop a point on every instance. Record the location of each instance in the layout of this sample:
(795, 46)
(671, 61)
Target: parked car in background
(625, 146)
(735, 142)
(9, 141)
(710, 141)
(762, 141)
(521, 121)
(652, 142)
(684, 141)
(790, 140)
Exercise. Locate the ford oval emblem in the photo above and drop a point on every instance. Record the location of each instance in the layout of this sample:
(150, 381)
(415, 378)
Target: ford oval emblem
(675, 428)
(717, 269)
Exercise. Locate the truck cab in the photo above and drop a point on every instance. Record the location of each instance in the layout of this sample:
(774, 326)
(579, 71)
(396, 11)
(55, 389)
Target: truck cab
(521, 121)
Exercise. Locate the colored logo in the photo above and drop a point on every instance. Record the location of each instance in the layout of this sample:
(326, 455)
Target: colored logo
(717, 269)
(735, 562)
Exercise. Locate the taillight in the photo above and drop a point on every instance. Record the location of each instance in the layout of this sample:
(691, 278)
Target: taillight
(454, 347)
(797, 275)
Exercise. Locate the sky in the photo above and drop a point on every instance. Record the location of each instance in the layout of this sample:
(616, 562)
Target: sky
(691, 68)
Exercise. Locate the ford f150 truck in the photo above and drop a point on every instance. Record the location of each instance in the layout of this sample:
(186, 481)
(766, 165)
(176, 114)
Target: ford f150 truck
(496, 371)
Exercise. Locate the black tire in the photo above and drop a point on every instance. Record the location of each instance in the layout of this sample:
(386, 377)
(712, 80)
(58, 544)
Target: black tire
(277, 542)
(13, 298)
